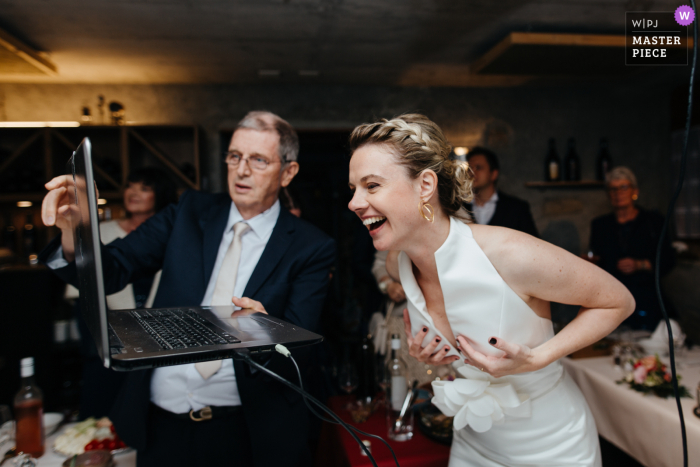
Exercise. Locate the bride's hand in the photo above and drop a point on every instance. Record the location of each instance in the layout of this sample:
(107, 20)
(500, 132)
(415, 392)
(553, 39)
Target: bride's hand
(425, 354)
(517, 358)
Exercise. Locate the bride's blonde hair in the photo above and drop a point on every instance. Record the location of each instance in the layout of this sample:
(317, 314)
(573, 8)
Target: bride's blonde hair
(419, 145)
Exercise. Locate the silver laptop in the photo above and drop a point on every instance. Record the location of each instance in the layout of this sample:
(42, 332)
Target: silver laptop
(148, 338)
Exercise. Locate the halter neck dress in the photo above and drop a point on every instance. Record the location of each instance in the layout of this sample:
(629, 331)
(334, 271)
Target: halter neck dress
(529, 419)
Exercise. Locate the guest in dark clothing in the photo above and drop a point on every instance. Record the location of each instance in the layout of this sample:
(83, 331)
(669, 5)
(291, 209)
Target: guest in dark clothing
(625, 242)
(492, 206)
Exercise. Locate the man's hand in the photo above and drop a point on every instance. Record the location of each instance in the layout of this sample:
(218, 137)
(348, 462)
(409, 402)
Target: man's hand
(627, 265)
(56, 211)
(248, 306)
(425, 354)
(395, 292)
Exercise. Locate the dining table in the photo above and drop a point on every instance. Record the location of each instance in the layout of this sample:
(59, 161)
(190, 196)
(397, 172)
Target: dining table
(645, 426)
(51, 458)
(338, 448)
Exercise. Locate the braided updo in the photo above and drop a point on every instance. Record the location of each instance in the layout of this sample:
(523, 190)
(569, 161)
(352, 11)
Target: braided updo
(419, 145)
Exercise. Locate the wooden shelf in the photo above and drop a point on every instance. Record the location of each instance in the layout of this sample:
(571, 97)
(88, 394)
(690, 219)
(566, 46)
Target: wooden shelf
(582, 184)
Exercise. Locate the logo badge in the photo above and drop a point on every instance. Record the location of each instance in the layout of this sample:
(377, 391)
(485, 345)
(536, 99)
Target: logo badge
(684, 15)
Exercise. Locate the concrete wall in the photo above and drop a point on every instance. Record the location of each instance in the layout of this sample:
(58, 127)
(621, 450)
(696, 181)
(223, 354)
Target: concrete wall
(516, 122)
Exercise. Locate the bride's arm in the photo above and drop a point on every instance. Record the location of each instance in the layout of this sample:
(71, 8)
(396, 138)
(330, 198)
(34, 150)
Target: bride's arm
(539, 271)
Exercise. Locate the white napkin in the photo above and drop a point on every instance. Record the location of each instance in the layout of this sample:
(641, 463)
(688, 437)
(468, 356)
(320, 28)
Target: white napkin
(660, 335)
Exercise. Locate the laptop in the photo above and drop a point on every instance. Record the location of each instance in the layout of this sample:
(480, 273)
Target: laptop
(148, 338)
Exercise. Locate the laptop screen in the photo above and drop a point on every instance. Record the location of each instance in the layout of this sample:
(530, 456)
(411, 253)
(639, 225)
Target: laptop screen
(86, 237)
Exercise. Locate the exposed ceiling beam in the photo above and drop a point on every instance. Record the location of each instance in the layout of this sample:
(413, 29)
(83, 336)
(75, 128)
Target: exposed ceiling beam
(24, 53)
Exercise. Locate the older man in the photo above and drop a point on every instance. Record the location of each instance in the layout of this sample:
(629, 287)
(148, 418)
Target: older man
(282, 269)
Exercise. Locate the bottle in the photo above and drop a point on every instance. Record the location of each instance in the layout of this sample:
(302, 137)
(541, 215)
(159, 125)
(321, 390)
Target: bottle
(29, 240)
(604, 162)
(552, 164)
(398, 389)
(29, 412)
(572, 164)
(367, 388)
(9, 235)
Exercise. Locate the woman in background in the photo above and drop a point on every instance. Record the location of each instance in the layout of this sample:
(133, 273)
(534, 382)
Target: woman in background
(148, 190)
(624, 244)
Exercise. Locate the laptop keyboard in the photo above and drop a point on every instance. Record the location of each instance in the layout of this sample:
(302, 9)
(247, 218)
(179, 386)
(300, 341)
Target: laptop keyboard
(181, 329)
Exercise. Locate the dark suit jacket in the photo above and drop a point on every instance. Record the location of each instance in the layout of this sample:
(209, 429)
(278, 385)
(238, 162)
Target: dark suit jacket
(513, 213)
(290, 281)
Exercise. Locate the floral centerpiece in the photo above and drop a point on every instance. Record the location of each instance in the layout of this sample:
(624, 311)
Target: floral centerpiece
(650, 375)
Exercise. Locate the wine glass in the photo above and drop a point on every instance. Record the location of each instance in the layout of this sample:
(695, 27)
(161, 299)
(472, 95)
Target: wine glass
(347, 378)
(383, 376)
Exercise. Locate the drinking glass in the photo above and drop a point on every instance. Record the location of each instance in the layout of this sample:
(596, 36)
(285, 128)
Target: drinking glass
(347, 378)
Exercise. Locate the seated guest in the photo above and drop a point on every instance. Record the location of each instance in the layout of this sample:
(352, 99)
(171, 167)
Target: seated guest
(148, 190)
(395, 304)
(277, 264)
(625, 243)
(491, 206)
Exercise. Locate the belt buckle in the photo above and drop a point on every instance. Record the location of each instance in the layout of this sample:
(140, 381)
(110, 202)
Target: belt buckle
(204, 414)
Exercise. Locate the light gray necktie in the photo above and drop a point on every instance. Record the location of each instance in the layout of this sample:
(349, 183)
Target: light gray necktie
(224, 288)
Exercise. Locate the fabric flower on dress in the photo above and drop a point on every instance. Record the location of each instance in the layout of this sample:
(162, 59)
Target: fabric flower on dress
(475, 401)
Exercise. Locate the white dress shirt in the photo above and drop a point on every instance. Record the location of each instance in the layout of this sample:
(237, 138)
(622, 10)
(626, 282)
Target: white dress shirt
(181, 388)
(483, 214)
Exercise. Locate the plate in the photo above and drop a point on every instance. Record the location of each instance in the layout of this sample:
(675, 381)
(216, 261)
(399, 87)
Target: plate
(51, 422)
(433, 424)
(76, 437)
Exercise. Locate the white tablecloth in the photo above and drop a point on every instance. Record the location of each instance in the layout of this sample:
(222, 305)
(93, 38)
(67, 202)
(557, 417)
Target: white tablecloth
(645, 427)
(51, 459)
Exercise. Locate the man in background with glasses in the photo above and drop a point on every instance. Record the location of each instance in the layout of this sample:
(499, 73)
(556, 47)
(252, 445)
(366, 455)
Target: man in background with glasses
(214, 249)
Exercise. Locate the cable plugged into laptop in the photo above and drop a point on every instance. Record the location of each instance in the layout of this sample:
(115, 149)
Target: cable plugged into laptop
(283, 350)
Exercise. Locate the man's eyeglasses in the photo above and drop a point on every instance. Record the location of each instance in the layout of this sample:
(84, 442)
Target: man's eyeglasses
(233, 159)
(619, 189)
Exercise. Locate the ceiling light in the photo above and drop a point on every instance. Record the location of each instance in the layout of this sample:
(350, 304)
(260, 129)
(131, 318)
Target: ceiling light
(461, 151)
(101, 201)
(309, 73)
(268, 73)
(24, 204)
(38, 124)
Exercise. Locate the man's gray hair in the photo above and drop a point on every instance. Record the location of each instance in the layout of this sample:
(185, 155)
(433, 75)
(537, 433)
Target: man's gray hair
(261, 120)
(621, 173)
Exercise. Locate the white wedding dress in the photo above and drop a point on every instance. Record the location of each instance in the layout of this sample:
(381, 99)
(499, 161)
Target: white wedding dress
(529, 419)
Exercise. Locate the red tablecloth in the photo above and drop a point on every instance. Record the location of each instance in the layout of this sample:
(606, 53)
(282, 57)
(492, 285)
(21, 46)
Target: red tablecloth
(337, 442)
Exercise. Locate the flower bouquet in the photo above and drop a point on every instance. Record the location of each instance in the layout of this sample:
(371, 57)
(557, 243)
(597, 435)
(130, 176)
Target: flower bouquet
(650, 375)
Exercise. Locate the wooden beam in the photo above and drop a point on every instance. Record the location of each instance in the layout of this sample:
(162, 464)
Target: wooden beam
(163, 158)
(556, 39)
(19, 151)
(27, 53)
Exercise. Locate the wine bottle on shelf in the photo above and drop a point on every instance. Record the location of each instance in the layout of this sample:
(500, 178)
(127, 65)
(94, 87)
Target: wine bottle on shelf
(572, 164)
(604, 162)
(29, 413)
(552, 164)
(9, 235)
(398, 389)
(29, 240)
(367, 388)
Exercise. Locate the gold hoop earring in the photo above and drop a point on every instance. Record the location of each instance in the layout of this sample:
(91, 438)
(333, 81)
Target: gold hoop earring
(431, 212)
(634, 197)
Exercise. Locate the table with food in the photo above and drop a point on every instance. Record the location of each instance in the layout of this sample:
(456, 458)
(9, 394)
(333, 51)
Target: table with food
(630, 395)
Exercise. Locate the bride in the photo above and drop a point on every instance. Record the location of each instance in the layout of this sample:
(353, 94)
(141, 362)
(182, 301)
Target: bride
(478, 298)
